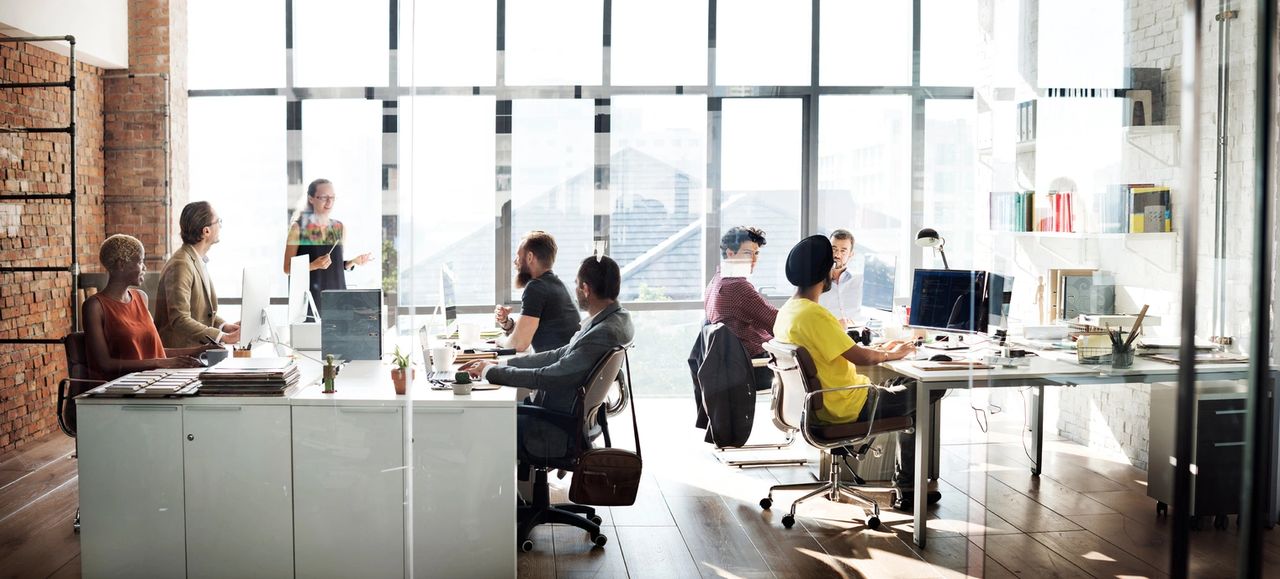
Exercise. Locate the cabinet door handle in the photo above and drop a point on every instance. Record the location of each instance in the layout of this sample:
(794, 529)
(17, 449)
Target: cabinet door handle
(439, 410)
(1218, 444)
(220, 408)
(149, 408)
(1240, 411)
(368, 410)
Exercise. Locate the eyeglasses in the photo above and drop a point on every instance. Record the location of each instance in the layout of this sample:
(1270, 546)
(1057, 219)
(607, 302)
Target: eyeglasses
(218, 222)
(749, 253)
(325, 198)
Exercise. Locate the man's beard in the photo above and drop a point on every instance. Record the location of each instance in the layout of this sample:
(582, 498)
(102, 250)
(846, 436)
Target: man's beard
(582, 300)
(523, 277)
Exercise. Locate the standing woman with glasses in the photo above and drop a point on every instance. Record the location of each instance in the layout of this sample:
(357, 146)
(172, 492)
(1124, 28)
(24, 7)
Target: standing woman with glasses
(314, 234)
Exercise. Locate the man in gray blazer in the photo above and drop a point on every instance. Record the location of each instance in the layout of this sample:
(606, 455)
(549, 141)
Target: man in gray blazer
(555, 375)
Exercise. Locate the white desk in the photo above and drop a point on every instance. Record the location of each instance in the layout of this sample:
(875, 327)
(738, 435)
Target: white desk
(361, 483)
(1049, 368)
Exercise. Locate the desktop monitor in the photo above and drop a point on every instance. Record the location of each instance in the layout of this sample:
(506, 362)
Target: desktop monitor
(878, 274)
(999, 297)
(950, 300)
(255, 296)
(448, 294)
(299, 289)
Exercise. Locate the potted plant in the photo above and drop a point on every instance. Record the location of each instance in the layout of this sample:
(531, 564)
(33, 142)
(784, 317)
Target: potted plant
(403, 373)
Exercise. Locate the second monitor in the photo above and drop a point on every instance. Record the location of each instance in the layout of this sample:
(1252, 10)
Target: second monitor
(963, 301)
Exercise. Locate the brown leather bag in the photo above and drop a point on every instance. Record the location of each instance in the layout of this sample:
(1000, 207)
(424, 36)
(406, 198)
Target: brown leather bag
(609, 477)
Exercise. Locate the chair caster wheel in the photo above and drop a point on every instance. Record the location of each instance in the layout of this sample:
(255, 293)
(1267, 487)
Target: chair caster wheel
(526, 546)
(873, 523)
(600, 540)
(1162, 509)
(788, 521)
(765, 503)
(596, 519)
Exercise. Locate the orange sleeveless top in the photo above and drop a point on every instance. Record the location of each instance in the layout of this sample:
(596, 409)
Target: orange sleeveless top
(130, 332)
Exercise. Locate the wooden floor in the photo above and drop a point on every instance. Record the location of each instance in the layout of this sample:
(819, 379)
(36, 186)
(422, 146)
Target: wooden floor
(1085, 516)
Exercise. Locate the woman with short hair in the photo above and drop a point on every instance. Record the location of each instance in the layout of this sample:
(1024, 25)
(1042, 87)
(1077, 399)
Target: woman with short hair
(120, 335)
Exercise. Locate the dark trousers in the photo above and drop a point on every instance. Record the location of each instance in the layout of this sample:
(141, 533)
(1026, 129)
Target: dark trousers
(763, 375)
(893, 405)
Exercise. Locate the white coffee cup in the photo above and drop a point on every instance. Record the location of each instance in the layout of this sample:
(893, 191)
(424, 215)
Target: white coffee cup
(442, 358)
(468, 333)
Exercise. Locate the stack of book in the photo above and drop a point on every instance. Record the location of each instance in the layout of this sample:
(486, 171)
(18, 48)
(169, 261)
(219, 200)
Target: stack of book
(250, 377)
(1061, 212)
(1012, 210)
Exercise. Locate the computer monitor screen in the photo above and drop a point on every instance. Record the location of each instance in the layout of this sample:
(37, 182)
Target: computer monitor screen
(255, 295)
(878, 275)
(999, 296)
(448, 294)
(949, 300)
(299, 286)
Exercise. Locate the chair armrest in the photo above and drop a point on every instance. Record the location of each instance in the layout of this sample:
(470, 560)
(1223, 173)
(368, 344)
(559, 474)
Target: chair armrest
(840, 389)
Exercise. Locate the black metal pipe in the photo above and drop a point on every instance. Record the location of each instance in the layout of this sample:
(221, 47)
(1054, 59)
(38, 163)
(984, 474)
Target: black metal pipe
(48, 84)
(1179, 552)
(67, 38)
(30, 341)
(36, 129)
(31, 197)
(34, 269)
(75, 254)
(1256, 492)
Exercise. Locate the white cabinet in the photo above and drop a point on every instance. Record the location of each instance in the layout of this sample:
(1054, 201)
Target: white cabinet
(131, 491)
(239, 493)
(349, 491)
(464, 492)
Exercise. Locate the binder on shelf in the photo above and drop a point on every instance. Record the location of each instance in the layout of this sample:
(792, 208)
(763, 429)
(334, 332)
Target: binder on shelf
(1150, 210)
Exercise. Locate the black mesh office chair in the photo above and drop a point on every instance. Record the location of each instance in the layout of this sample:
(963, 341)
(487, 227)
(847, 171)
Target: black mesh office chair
(76, 383)
(798, 398)
(586, 421)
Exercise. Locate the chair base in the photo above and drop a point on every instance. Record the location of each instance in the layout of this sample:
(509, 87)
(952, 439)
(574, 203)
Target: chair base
(721, 454)
(833, 489)
(541, 511)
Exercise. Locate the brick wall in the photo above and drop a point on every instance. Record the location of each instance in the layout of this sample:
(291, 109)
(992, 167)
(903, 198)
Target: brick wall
(37, 233)
(145, 114)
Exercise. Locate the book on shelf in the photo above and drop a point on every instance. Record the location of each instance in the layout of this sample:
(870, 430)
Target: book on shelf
(1150, 210)
(1012, 210)
(1059, 214)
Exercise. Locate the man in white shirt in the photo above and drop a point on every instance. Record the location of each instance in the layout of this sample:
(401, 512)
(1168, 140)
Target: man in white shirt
(845, 298)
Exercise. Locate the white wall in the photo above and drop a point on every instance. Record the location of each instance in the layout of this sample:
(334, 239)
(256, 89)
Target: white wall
(101, 27)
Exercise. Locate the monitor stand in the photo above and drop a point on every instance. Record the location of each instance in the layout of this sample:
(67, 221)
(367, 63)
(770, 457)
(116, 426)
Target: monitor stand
(953, 342)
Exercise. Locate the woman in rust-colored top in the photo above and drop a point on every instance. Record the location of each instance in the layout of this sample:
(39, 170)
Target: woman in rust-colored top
(119, 332)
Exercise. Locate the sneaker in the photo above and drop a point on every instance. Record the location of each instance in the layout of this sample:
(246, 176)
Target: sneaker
(905, 500)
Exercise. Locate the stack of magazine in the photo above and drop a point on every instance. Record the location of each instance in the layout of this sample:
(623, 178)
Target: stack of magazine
(250, 377)
(152, 383)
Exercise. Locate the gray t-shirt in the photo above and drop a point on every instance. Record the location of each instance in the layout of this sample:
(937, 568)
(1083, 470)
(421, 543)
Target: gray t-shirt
(547, 299)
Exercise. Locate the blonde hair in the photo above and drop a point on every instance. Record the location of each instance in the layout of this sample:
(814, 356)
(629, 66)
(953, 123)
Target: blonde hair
(120, 250)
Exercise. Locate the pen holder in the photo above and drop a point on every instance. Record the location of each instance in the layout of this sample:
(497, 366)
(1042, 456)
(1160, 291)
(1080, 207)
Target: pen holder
(1122, 358)
(242, 353)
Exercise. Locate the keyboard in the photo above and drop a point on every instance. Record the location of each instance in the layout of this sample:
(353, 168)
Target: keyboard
(434, 376)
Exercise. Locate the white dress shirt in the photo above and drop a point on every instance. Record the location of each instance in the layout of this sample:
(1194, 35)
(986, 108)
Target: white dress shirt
(845, 298)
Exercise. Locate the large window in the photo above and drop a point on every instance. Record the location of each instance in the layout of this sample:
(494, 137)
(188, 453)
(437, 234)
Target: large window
(450, 129)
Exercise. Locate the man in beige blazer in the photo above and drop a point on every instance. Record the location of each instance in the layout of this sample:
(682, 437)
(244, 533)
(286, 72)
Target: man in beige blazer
(187, 306)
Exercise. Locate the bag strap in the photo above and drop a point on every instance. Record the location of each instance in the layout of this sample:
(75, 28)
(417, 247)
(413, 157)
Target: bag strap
(635, 424)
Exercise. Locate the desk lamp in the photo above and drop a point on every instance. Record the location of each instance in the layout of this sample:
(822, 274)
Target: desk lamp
(928, 237)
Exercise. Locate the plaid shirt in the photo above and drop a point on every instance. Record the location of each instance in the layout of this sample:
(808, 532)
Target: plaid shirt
(736, 303)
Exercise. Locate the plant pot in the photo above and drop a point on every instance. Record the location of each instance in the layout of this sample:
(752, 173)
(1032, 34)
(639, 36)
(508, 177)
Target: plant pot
(402, 378)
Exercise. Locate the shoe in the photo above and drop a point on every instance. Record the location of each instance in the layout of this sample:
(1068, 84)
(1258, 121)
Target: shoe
(905, 500)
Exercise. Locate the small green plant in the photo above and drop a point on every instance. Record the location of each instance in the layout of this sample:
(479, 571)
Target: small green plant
(401, 360)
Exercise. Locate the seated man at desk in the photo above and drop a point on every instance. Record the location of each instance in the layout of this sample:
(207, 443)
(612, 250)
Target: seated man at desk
(556, 374)
(186, 303)
(547, 317)
(120, 337)
(803, 322)
(845, 298)
(733, 301)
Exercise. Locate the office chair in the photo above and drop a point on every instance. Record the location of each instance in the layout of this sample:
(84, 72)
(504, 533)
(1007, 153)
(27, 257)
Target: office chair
(587, 419)
(798, 400)
(150, 285)
(717, 338)
(76, 383)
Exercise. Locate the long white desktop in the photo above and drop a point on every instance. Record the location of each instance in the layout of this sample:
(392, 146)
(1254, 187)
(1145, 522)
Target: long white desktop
(309, 485)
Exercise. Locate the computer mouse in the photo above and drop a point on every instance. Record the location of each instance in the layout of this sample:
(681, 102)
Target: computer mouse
(939, 358)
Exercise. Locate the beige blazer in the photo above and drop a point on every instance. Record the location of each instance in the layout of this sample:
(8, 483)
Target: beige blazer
(186, 305)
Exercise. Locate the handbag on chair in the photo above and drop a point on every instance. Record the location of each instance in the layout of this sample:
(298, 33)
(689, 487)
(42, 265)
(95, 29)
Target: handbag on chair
(609, 477)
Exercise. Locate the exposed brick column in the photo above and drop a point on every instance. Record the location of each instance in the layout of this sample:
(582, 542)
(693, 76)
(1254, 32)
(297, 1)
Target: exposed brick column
(38, 233)
(146, 111)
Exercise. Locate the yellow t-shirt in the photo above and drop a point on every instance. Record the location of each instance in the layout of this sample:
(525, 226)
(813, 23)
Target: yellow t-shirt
(806, 323)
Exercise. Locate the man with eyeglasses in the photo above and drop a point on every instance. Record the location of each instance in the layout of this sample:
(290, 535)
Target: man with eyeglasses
(733, 301)
(186, 304)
